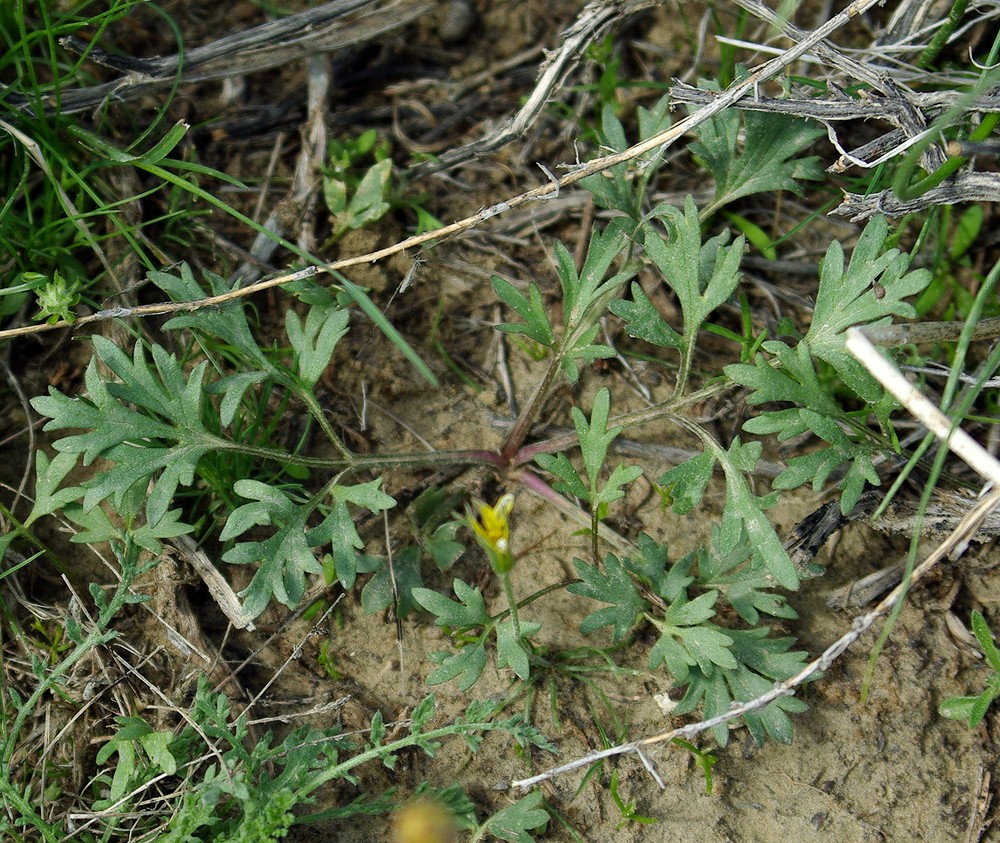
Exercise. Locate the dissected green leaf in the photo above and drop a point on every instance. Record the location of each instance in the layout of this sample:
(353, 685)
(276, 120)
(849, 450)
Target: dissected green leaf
(595, 438)
(284, 558)
(681, 648)
(233, 388)
(570, 482)
(226, 321)
(585, 293)
(765, 163)
(147, 535)
(643, 321)
(515, 821)
(686, 482)
(653, 566)
(702, 276)
(530, 308)
(584, 351)
(743, 581)
(339, 531)
(377, 595)
(612, 585)
(159, 442)
(613, 489)
(287, 555)
(623, 187)
(512, 651)
(870, 291)
(49, 497)
(762, 661)
(744, 510)
(469, 663)
(315, 340)
(470, 612)
(368, 494)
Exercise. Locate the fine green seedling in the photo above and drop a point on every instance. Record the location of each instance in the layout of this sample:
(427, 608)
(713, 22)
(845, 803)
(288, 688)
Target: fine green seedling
(627, 809)
(972, 709)
(358, 194)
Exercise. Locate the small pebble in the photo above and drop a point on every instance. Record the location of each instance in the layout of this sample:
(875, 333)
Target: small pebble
(457, 21)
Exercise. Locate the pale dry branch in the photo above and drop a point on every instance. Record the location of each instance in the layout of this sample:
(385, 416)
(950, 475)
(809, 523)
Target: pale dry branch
(967, 187)
(596, 18)
(272, 44)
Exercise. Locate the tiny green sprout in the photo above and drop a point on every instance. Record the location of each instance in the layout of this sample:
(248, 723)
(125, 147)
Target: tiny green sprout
(703, 759)
(57, 299)
(627, 809)
(973, 709)
(490, 527)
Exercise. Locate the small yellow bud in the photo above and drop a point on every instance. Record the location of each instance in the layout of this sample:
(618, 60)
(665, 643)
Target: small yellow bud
(492, 531)
(423, 821)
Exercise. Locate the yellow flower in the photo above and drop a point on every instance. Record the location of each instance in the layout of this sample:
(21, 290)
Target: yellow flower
(493, 532)
(423, 821)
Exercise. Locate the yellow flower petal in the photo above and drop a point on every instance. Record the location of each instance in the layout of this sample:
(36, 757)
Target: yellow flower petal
(493, 531)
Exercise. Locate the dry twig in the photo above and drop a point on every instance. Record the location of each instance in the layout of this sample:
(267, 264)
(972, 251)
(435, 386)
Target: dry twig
(272, 44)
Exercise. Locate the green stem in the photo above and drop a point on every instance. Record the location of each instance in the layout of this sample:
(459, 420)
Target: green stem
(508, 590)
(317, 413)
(687, 358)
(595, 525)
(381, 752)
(422, 459)
(943, 34)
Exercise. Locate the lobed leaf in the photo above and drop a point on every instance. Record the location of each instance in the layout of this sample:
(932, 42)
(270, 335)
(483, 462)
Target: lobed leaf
(469, 663)
(644, 322)
(314, 340)
(512, 651)
(686, 482)
(469, 612)
(530, 308)
(762, 661)
(870, 291)
(766, 163)
(612, 585)
(515, 821)
(226, 321)
(668, 581)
